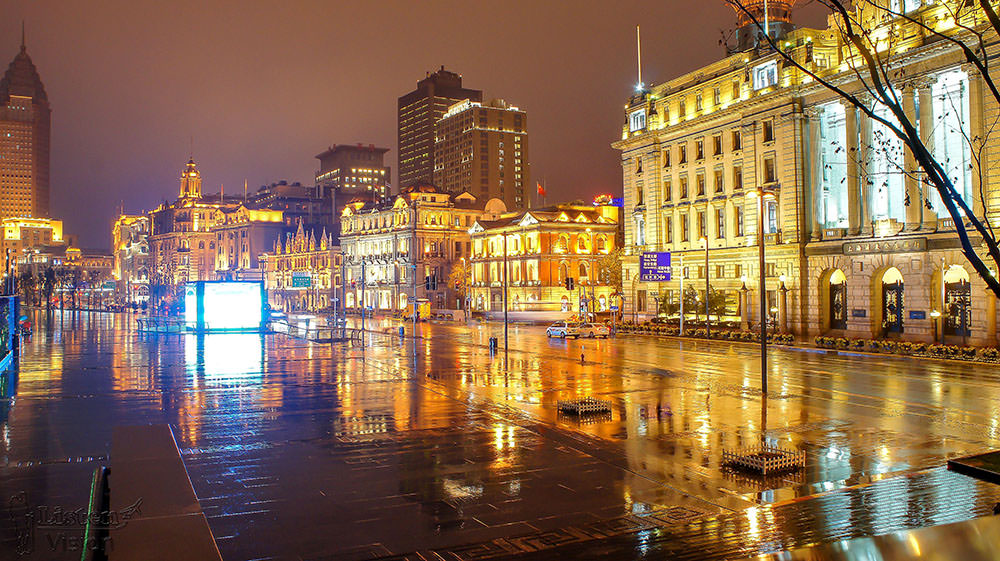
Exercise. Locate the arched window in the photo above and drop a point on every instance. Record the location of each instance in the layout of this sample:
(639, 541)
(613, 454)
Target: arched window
(583, 270)
(562, 243)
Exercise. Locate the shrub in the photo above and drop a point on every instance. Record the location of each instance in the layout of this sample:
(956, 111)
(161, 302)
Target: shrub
(856, 344)
(989, 353)
(890, 346)
(840, 343)
(918, 348)
(968, 352)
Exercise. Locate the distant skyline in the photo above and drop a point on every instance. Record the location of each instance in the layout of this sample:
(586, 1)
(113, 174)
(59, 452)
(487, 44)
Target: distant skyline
(262, 87)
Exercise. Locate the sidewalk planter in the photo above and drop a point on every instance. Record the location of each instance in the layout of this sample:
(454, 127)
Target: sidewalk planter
(719, 334)
(908, 348)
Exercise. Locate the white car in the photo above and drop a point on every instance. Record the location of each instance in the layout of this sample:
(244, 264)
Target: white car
(594, 330)
(563, 329)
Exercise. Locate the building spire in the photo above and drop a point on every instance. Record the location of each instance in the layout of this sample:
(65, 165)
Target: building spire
(23, 43)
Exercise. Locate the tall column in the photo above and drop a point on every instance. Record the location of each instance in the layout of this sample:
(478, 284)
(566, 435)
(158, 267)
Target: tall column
(925, 99)
(863, 153)
(910, 163)
(853, 154)
(975, 133)
(814, 175)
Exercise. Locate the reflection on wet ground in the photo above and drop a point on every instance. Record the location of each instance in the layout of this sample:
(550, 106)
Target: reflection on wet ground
(309, 451)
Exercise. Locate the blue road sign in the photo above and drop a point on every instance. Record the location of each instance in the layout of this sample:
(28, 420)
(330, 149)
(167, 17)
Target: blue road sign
(654, 266)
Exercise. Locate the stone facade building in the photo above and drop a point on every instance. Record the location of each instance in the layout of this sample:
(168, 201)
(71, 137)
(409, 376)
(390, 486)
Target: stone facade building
(390, 250)
(856, 244)
(130, 252)
(544, 247)
(303, 272)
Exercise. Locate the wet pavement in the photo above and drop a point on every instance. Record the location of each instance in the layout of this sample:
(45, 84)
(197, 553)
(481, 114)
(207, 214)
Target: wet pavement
(412, 446)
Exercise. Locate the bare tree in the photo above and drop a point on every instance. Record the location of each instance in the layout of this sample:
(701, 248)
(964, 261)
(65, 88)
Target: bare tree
(870, 37)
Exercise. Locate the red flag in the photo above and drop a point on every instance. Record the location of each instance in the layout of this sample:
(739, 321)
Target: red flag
(541, 190)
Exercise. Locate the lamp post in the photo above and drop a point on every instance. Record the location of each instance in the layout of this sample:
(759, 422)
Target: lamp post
(783, 303)
(505, 348)
(760, 194)
(708, 319)
(934, 319)
(744, 303)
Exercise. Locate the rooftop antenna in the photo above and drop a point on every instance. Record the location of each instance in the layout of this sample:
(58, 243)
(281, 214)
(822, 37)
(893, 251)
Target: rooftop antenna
(638, 57)
(244, 191)
(23, 42)
(767, 20)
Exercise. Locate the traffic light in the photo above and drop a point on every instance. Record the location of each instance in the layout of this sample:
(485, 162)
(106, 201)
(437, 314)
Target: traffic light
(569, 283)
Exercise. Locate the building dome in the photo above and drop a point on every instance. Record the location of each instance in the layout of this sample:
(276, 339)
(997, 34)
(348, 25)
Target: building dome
(778, 11)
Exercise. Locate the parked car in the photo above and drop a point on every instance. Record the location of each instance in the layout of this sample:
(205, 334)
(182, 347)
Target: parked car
(563, 329)
(594, 330)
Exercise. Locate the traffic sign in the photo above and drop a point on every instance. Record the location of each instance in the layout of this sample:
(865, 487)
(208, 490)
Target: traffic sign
(654, 266)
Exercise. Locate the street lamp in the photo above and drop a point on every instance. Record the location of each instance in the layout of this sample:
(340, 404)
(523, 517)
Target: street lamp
(708, 319)
(934, 319)
(760, 194)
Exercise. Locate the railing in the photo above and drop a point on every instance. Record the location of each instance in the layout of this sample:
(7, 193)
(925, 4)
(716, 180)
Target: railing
(314, 334)
(161, 324)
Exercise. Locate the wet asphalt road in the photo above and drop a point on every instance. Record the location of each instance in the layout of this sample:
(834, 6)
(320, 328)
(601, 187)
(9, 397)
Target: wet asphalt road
(308, 451)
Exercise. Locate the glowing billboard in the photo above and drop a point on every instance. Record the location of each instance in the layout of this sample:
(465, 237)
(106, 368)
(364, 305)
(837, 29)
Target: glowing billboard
(224, 305)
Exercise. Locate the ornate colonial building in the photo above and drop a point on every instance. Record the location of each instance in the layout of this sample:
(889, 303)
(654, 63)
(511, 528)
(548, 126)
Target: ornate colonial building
(130, 246)
(390, 250)
(856, 245)
(543, 248)
(303, 272)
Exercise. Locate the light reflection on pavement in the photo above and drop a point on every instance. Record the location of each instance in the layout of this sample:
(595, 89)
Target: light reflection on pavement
(300, 450)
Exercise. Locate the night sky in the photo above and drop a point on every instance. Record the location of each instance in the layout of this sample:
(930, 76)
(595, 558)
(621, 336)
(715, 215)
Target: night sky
(262, 87)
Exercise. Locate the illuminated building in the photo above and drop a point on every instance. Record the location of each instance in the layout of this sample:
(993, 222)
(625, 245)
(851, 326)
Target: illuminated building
(240, 238)
(303, 272)
(130, 246)
(844, 231)
(424, 232)
(483, 149)
(544, 247)
(24, 141)
(182, 245)
(350, 172)
(23, 234)
(295, 201)
(199, 237)
(417, 112)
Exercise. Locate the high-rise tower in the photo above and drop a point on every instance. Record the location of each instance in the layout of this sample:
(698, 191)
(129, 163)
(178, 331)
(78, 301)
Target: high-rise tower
(24, 140)
(418, 111)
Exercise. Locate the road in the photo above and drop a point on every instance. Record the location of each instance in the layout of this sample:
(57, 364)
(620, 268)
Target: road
(310, 451)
